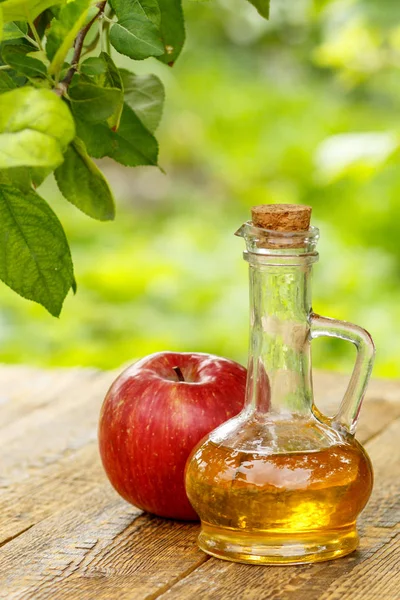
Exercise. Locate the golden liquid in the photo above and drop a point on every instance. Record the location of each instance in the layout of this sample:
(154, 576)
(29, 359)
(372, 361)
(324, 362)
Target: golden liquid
(279, 508)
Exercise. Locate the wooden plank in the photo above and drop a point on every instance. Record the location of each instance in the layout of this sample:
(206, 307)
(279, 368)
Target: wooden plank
(99, 547)
(40, 484)
(381, 405)
(88, 542)
(65, 419)
(52, 489)
(330, 387)
(54, 486)
(49, 457)
(370, 573)
(25, 389)
(376, 415)
(45, 435)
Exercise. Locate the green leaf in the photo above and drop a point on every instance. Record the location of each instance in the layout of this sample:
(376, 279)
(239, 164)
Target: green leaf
(39, 55)
(262, 6)
(35, 260)
(35, 128)
(6, 83)
(92, 102)
(26, 10)
(112, 79)
(97, 137)
(132, 145)
(64, 30)
(144, 8)
(93, 68)
(15, 31)
(136, 37)
(112, 76)
(104, 73)
(83, 184)
(145, 95)
(16, 57)
(172, 29)
(19, 177)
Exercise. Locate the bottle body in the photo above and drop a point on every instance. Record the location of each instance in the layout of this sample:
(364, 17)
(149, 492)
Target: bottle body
(260, 505)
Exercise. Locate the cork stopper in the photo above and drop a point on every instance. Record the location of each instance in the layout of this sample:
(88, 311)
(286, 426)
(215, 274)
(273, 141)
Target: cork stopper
(282, 217)
(284, 225)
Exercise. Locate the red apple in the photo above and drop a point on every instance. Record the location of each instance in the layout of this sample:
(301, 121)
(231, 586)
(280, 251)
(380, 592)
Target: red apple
(152, 417)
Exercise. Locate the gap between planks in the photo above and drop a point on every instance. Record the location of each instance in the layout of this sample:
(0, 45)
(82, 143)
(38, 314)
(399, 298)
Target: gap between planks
(178, 579)
(13, 537)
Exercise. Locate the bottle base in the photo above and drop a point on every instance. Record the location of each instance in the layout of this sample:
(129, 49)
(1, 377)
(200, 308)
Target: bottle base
(264, 547)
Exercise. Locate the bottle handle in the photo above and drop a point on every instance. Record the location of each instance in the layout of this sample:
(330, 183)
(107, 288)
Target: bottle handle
(351, 404)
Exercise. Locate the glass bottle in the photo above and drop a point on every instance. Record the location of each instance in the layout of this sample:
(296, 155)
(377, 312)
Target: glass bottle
(281, 483)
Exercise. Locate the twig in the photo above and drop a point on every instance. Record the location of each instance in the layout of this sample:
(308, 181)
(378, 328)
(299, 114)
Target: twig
(62, 87)
(35, 34)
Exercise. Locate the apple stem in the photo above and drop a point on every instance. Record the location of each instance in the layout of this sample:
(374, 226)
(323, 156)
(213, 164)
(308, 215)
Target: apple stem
(179, 373)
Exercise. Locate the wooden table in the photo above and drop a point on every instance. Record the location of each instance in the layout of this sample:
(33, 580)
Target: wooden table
(65, 534)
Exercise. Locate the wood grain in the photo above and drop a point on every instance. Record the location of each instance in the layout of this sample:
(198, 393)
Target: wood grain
(26, 389)
(65, 534)
(97, 545)
(369, 574)
(48, 491)
(39, 483)
(48, 455)
(62, 425)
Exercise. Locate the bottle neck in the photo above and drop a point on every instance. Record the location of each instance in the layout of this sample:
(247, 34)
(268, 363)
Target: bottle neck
(279, 369)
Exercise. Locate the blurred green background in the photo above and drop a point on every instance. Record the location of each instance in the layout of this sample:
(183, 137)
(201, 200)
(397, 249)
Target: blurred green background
(304, 108)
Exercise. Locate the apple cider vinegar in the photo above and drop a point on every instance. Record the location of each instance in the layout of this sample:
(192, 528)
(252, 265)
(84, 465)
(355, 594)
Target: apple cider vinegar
(281, 483)
(298, 500)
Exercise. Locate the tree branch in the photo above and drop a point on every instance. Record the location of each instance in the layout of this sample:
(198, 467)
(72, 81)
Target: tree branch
(62, 87)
